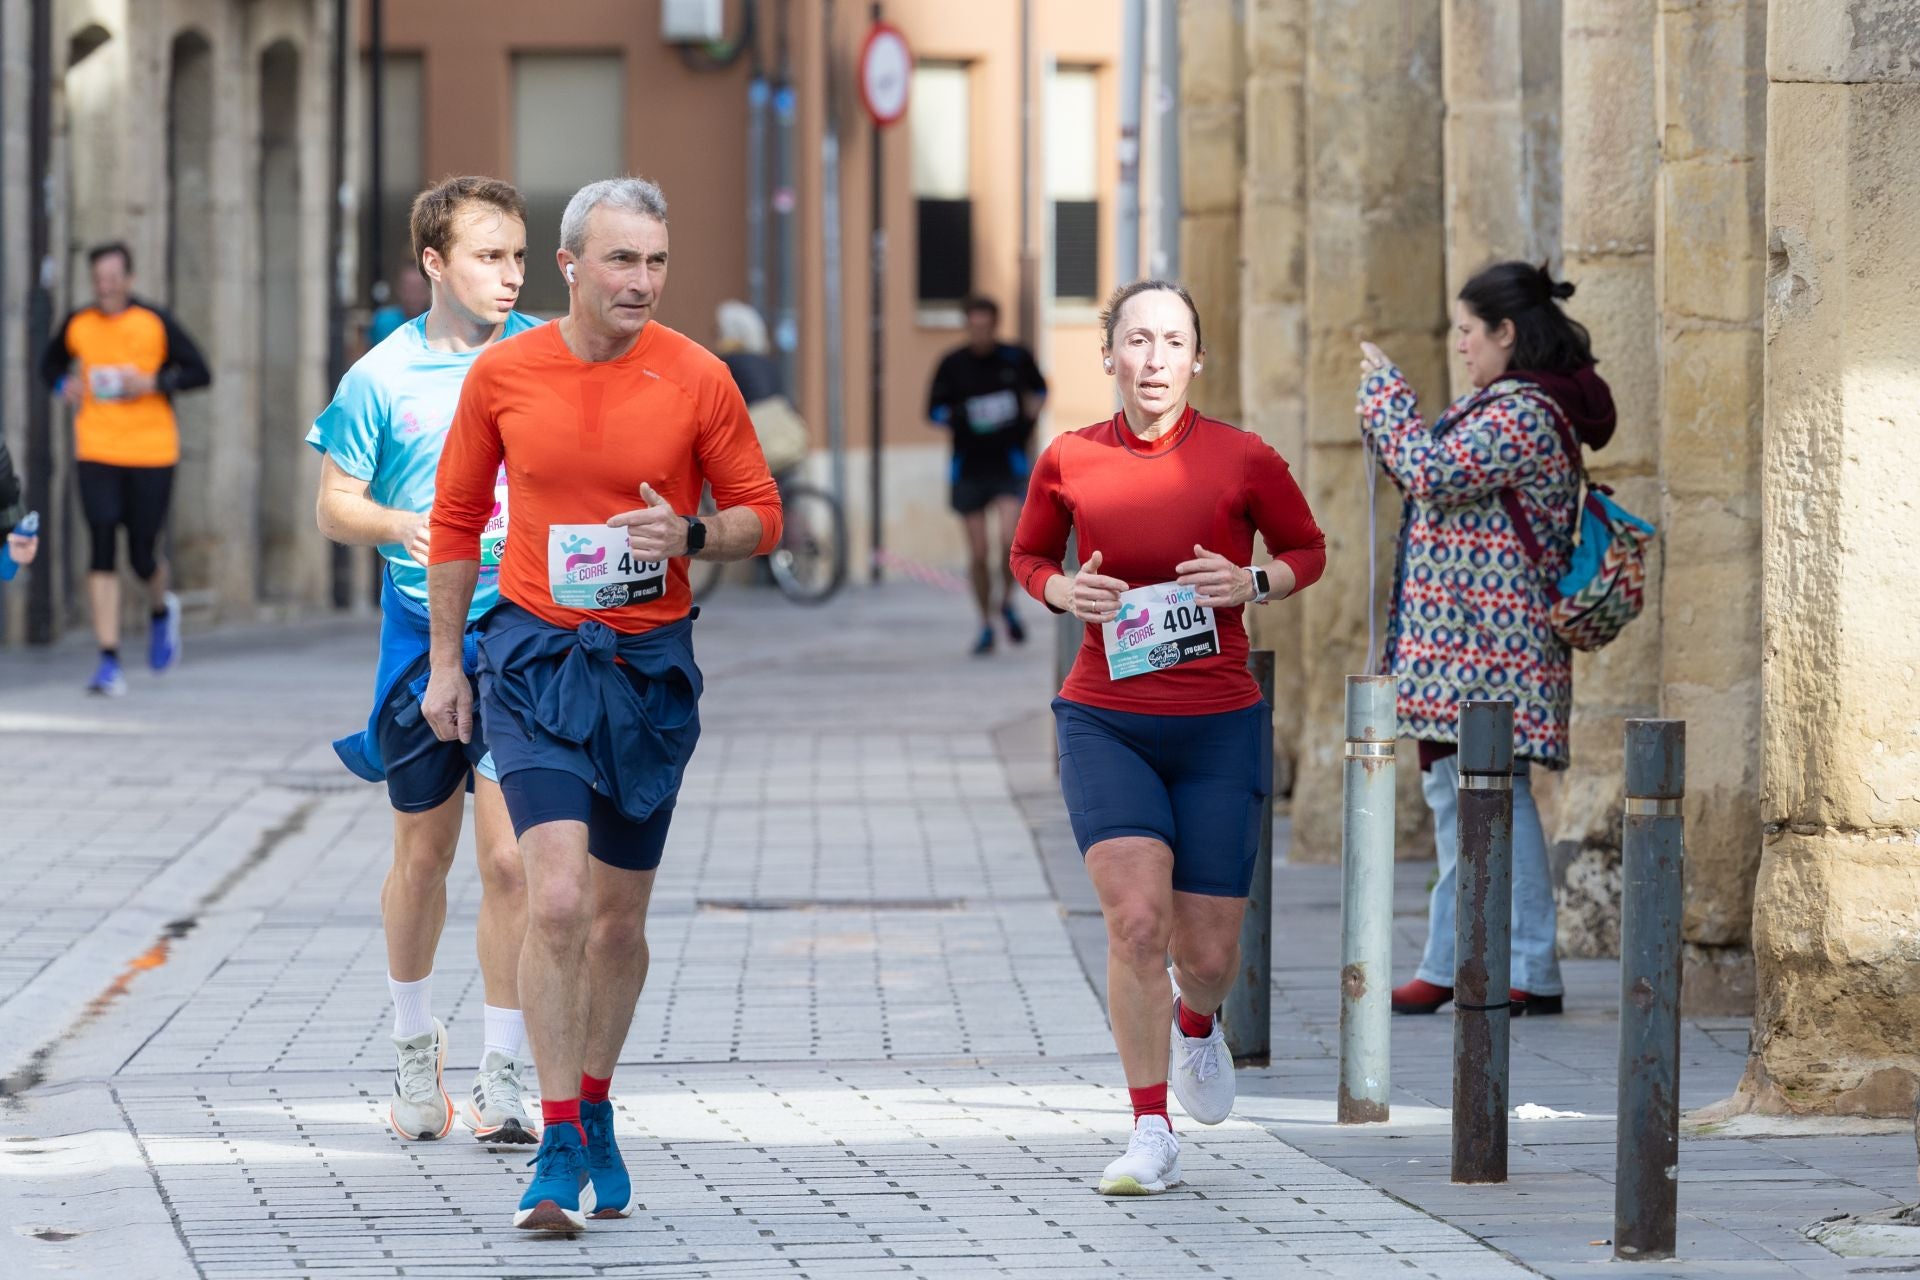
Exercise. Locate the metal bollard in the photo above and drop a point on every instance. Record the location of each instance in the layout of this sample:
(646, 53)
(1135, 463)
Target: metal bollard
(1653, 857)
(1483, 885)
(1366, 902)
(1248, 1012)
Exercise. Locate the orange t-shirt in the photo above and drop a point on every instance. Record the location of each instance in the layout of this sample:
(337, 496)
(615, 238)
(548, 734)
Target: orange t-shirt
(578, 439)
(131, 431)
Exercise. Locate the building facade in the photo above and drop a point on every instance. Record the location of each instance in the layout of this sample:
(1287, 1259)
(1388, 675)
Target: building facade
(1732, 187)
(1010, 146)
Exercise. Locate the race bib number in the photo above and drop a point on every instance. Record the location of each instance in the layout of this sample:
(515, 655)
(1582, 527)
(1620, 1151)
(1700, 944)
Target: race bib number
(993, 411)
(1158, 627)
(590, 567)
(107, 381)
(493, 539)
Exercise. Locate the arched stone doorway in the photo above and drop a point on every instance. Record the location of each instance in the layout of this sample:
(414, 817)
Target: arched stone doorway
(282, 426)
(192, 249)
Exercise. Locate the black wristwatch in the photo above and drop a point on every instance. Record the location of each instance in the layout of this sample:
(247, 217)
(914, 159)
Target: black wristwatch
(696, 535)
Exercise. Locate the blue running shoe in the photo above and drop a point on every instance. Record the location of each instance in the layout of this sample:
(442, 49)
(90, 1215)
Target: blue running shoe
(163, 638)
(612, 1191)
(1016, 630)
(107, 680)
(984, 645)
(552, 1201)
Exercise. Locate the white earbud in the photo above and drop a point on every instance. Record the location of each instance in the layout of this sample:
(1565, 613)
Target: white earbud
(1196, 368)
(1109, 366)
(569, 273)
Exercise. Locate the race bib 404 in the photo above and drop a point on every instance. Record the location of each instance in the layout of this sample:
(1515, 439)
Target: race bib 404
(1158, 627)
(590, 567)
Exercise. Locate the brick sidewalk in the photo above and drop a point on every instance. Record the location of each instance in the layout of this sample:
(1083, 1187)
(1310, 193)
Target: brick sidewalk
(867, 1043)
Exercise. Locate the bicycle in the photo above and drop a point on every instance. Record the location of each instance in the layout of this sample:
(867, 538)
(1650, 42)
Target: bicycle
(810, 562)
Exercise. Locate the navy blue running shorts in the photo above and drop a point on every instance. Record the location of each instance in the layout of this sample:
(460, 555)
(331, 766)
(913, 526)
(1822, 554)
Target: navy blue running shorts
(535, 796)
(1194, 783)
(422, 771)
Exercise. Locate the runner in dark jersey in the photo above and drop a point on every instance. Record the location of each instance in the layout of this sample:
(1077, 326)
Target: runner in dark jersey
(1165, 753)
(988, 394)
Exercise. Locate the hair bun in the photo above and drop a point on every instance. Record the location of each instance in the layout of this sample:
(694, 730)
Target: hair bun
(1561, 288)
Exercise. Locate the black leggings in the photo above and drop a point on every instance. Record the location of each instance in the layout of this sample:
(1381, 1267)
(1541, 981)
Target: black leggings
(136, 497)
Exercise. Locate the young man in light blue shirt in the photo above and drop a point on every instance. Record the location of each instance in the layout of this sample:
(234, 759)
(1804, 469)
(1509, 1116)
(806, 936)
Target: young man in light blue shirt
(381, 438)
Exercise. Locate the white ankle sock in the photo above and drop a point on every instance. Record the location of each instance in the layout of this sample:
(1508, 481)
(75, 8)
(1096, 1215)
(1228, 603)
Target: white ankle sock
(506, 1031)
(412, 1006)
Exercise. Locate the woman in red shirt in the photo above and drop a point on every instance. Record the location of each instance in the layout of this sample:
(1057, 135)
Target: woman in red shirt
(1164, 750)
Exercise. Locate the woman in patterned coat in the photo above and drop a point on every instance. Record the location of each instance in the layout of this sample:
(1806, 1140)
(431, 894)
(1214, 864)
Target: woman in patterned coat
(1491, 490)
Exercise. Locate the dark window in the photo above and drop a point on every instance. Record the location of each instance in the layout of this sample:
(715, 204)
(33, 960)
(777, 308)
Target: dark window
(945, 229)
(1076, 248)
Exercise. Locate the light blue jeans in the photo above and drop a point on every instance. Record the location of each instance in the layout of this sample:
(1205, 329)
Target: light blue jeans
(1536, 967)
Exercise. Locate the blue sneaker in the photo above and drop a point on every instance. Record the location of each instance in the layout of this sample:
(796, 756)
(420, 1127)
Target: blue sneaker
(611, 1195)
(552, 1201)
(1016, 630)
(107, 680)
(984, 645)
(163, 638)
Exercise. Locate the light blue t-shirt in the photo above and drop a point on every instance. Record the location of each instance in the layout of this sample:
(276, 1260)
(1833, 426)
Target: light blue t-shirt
(387, 425)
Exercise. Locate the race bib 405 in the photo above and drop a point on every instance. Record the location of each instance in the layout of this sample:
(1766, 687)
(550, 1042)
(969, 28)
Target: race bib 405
(590, 567)
(1158, 627)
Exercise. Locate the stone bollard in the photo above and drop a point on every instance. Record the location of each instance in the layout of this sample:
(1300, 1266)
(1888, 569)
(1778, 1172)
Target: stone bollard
(1653, 860)
(1366, 902)
(1483, 884)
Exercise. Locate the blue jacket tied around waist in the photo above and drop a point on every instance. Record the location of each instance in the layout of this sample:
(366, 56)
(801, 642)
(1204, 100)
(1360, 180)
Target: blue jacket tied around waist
(555, 699)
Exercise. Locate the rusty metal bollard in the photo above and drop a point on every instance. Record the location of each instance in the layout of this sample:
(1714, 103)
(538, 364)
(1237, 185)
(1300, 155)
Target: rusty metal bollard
(1482, 943)
(1653, 860)
(1366, 902)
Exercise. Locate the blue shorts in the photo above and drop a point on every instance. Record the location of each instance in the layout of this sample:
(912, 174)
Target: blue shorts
(1194, 783)
(422, 771)
(535, 796)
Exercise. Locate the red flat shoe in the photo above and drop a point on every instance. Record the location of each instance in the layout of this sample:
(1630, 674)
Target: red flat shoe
(1420, 997)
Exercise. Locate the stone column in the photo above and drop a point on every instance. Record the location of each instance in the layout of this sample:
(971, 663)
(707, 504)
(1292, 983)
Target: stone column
(1212, 154)
(1502, 83)
(1273, 315)
(1710, 63)
(1610, 158)
(1837, 1026)
(1375, 270)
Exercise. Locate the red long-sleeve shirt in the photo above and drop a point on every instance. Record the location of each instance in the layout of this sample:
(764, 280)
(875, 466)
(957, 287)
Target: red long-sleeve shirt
(579, 438)
(1144, 505)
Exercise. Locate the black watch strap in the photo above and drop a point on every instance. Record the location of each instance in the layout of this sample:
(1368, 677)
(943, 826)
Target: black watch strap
(696, 535)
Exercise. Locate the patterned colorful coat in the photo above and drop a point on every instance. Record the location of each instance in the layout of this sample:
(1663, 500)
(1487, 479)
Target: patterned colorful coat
(1469, 612)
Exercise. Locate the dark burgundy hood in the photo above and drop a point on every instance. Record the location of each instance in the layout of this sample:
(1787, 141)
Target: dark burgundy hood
(1583, 396)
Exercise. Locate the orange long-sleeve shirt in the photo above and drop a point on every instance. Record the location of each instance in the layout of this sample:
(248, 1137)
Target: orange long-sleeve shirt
(578, 439)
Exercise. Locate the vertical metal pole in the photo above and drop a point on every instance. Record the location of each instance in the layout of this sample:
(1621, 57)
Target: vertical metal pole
(1126, 194)
(757, 97)
(876, 287)
(831, 273)
(1248, 1012)
(786, 327)
(1482, 968)
(40, 444)
(1366, 901)
(376, 148)
(340, 556)
(1653, 858)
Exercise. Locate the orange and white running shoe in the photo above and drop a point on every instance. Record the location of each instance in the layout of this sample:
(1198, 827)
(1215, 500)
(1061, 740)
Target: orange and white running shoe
(421, 1108)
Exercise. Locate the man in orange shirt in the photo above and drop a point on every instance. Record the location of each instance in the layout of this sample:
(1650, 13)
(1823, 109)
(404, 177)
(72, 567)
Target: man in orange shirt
(588, 684)
(120, 362)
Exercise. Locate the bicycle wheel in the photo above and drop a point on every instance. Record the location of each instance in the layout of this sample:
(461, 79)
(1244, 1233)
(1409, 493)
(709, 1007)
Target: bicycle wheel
(704, 575)
(810, 563)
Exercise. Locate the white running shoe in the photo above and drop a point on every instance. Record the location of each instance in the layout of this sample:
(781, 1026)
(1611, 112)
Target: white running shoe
(421, 1108)
(1151, 1165)
(1200, 1070)
(496, 1110)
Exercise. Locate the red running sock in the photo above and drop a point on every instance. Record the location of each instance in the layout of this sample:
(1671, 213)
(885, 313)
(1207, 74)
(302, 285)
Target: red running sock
(1194, 1026)
(1150, 1101)
(562, 1111)
(593, 1088)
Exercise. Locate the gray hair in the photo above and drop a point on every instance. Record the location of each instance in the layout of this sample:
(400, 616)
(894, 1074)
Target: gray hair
(741, 328)
(635, 195)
